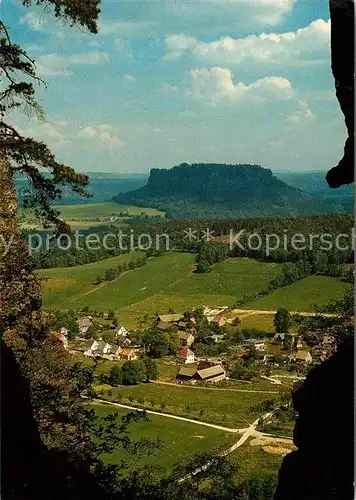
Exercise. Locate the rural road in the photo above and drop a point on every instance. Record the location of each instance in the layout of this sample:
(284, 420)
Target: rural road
(258, 311)
(250, 431)
(159, 382)
(161, 414)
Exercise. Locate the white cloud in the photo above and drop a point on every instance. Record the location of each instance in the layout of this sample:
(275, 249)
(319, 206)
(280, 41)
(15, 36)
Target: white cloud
(129, 78)
(50, 130)
(94, 57)
(34, 21)
(103, 133)
(302, 114)
(167, 87)
(178, 45)
(33, 47)
(57, 65)
(216, 85)
(212, 16)
(122, 26)
(306, 45)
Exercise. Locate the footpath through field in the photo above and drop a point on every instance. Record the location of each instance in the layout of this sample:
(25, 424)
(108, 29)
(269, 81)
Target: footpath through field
(161, 414)
(249, 432)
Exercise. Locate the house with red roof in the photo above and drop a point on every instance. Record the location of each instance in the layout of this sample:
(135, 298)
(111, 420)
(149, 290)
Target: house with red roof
(186, 355)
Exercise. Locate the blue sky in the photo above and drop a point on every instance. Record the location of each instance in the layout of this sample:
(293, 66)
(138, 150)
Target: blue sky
(166, 82)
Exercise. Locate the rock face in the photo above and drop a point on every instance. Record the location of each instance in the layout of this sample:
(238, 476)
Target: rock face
(322, 467)
(218, 191)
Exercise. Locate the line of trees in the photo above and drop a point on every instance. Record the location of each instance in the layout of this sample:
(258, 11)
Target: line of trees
(112, 273)
(132, 372)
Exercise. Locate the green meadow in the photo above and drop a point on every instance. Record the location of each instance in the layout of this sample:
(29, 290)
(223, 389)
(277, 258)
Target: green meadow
(62, 285)
(179, 440)
(302, 295)
(87, 215)
(166, 282)
(101, 210)
(226, 408)
(169, 282)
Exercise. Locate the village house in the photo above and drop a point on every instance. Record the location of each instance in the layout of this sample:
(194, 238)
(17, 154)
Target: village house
(186, 338)
(215, 339)
(113, 352)
(205, 372)
(120, 330)
(95, 348)
(102, 348)
(130, 354)
(213, 314)
(302, 357)
(258, 344)
(279, 338)
(84, 323)
(90, 347)
(170, 318)
(60, 337)
(220, 320)
(123, 341)
(186, 355)
(164, 326)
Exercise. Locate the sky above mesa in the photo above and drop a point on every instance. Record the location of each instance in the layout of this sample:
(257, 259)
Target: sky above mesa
(166, 82)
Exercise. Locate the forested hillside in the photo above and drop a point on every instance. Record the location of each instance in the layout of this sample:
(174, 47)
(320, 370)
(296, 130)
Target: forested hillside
(220, 191)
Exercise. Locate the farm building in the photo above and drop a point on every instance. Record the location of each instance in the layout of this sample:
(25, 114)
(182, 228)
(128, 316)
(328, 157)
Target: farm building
(113, 352)
(60, 337)
(164, 325)
(220, 320)
(120, 330)
(84, 323)
(302, 357)
(214, 339)
(130, 353)
(186, 374)
(170, 318)
(186, 338)
(258, 344)
(186, 355)
(205, 372)
(280, 338)
(211, 374)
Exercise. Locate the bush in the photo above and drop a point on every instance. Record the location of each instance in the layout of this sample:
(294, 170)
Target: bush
(240, 372)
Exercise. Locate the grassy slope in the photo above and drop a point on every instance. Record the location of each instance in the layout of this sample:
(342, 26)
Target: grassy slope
(302, 295)
(66, 283)
(169, 282)
(165, 282)
(179, 439)
(226, 282)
